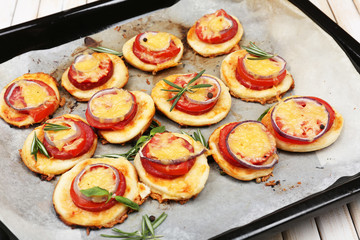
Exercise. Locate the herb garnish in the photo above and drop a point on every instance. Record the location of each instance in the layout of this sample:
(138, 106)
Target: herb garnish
(106, 50)
(36, 146)
(197, 136)
(256, 51)
(55, 127)
(98, 191)
(263, 114)
(130, 155)
(181, 90)
(147, 229)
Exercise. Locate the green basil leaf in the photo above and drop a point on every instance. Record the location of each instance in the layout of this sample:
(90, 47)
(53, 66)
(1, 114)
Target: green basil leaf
(95, 191)
(127, 202)
(263, 114)
(160, 129)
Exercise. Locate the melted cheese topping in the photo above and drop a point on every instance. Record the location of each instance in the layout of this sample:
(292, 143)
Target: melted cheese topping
(219, 23)
(57, 137)
(165, 148)
(112, 105)
(249, 140)
(86, 63)
(301, 119)
(33, 94)
(100, 176)
(201, 94)
(265, 67)
(156, 41)
(212, 25)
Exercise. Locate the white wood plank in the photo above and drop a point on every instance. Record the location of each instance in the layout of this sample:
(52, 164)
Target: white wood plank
(357, 5)
(48, 7)
(7, 12)
(25, 10)
(303, 230)
(354, 208)
(336, 224)
(90, 1)
(72, 3)
(323, 5)
(347, 16)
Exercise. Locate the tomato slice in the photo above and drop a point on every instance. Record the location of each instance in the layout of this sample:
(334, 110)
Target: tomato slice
(97, 207)
(37, 113)
(171, 171)
(331, 121)
(154, 57)
(192, 108)
(76, 147)
(86, 80)
(222, 144)
(248, 81)
(112, 126)
(207, 34)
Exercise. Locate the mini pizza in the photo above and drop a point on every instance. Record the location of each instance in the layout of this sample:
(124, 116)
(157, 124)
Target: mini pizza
(116, 176)
(90, 73)
(303, 124)
(29, 99)
(197, 107)
(215, 34)
(67, 140)
(244, 150)
(120, 115)
(253, 79)
(153, 51)
(173, 165)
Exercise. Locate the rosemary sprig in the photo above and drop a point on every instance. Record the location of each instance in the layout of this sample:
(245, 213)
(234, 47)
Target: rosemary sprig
(55, 127)
(36, 146)
(130, 155)
(147, 229)
(106, 50)
(181, 90)
(256, 51)
(98, 191)
(197, 136)
(263, 114)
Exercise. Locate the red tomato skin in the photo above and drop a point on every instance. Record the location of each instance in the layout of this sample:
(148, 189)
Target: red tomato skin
(88, 136)
(97, 207)
(106, 72)
(222, 145)
(112, 126)
(170, 171)
(167, 171)
(248, 81)
(331, 121)
(154, 57)
(41, 112)
(224, 36)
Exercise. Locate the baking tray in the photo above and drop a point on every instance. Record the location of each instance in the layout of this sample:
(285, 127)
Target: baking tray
(79, 22)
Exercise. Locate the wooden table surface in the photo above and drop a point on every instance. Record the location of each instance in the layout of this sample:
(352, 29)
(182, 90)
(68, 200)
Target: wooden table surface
(339, 223)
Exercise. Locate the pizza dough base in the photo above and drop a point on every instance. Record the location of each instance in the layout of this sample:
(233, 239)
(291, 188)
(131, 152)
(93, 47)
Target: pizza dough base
(244, 174)
(119, 79)
(141, 121)
(211, 50)
(216, 114)
(228, 70)
(8, 114)
(180, 189)
(71, 215)
(325, 140)
(49, 167)
(131, 58)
